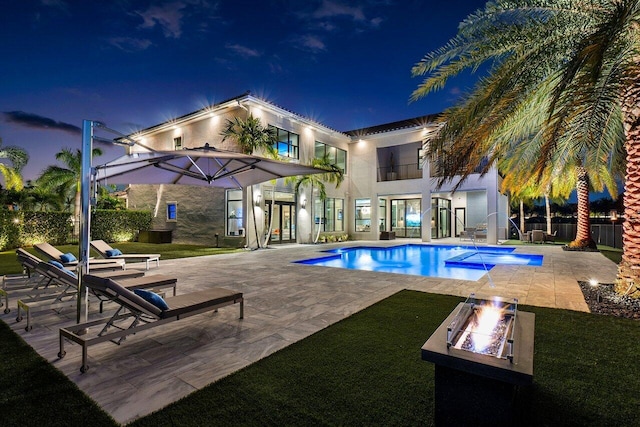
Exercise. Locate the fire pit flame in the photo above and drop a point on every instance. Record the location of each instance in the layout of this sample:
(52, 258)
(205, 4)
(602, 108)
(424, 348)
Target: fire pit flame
(484, 327)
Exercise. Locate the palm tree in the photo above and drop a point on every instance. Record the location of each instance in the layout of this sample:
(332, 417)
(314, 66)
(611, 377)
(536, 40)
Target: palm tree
(251, 136)
(65, 181)
(334, 175)
(18, 158)
(565, 75)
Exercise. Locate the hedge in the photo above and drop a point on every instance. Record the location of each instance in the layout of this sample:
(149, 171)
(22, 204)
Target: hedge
(119, 225)
(21, 228)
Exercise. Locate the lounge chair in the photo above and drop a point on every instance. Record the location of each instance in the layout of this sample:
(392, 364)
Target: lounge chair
(68, 260)
(136, 314)
(110, 253)
(550, 237)
(61, 288)
(537, 236)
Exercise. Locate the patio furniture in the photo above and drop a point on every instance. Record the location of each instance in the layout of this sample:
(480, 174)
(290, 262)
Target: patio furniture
(537, 236)
(480, 234)
(525, 237)
(31, 281)
(61, 289)
(468, 234)
(550, 237)
(68, 260)
(136, 313)
(107, 252)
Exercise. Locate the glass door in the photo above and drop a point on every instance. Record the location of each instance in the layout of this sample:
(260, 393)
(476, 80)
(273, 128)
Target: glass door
(406, 217)
(284, 222)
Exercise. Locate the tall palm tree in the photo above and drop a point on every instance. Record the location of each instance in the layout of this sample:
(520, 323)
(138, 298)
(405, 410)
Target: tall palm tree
(334, 175)
(66, 180)
(18, 158)
(251, 136)
(565, 74)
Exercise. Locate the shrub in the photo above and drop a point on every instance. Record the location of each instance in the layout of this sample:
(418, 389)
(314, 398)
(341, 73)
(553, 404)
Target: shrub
(119, 225)
(52, 227)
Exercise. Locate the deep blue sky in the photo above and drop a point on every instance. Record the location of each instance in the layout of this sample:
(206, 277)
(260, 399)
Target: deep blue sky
(133, 64)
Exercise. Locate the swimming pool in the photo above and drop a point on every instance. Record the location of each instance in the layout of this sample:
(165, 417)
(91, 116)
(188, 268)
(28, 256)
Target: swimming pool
(450, 262)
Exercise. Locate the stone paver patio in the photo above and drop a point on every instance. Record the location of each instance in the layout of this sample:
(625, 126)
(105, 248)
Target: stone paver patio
(284, 303)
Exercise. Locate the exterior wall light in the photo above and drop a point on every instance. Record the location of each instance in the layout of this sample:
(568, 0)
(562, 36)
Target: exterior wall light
(258, 199)
(303, 203)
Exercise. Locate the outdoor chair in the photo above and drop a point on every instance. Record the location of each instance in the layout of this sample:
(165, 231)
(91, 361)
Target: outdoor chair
(137, 313)
(110, 253)
(31, 281)
(550, 237)
(537, 236)
(525, 237)
(61, 288)
(468, 234)
(68, 260)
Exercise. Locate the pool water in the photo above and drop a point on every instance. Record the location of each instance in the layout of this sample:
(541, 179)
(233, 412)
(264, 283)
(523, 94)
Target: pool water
(450, 262)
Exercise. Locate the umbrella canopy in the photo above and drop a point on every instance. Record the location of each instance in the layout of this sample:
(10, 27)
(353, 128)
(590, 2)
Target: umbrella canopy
(206, 166)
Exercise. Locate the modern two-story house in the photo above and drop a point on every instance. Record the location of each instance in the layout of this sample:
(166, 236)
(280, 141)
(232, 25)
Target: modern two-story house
(389, 187)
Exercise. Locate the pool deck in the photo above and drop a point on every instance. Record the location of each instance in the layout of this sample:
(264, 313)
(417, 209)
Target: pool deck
(284, 302)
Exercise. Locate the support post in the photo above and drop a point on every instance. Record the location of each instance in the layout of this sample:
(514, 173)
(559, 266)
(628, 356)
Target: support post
(82, 313)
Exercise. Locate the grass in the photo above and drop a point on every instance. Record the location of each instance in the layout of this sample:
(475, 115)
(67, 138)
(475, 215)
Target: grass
(10, 265)
(367, 370)
(34, 393)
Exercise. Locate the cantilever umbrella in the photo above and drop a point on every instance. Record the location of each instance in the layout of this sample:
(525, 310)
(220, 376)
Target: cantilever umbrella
(206, 166)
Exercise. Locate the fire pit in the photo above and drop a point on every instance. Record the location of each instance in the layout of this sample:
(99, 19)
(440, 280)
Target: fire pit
(483, 353)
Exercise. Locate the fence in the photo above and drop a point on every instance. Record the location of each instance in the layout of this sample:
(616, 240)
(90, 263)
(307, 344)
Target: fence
(602, 234)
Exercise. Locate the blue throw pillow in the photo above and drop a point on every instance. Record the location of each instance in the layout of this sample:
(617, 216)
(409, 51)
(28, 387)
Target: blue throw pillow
(68, 257)
(61, 267)
(113, 252)
(152, 297)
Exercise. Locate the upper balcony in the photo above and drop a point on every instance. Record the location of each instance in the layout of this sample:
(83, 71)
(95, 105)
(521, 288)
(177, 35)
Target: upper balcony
(400, 162)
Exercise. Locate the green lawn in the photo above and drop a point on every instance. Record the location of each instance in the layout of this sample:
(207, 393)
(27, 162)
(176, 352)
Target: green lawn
(10, 265)
(367, 370)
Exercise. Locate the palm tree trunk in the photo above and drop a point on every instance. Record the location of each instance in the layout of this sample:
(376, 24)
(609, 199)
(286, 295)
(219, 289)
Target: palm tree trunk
(547, 207)
(583, 234)
(628, 280)
(522, 225)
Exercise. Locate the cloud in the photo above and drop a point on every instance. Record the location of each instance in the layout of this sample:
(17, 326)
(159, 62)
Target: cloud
(171, 16)
(34, 121)
(168, 17)
(311, 43)
(58, 4)
(130, 44)
(329, 9)
(243, 51)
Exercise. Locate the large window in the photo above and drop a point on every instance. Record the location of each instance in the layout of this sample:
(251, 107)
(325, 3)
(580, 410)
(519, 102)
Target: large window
(288, 142)
(234, 213)
(329, 214)
(363, 214)
(335, 155)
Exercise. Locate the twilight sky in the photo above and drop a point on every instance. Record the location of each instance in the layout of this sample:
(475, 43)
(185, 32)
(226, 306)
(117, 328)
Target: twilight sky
(132, 64)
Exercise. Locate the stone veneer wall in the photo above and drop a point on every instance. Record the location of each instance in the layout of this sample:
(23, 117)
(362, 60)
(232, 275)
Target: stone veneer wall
(200, 212)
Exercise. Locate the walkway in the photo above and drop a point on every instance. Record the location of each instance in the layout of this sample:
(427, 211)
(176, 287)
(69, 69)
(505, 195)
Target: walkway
(284, 303)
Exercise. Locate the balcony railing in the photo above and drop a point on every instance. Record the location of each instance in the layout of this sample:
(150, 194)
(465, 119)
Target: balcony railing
(399, 172)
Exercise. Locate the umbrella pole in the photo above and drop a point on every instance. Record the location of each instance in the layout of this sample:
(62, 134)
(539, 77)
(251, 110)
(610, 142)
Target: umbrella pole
(85, 219)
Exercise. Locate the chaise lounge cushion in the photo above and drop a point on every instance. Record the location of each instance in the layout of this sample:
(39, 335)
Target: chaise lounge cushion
(194, 301)
(61, 267)
(113, 252)
(68, 257)
(124, 296)
(152, 297)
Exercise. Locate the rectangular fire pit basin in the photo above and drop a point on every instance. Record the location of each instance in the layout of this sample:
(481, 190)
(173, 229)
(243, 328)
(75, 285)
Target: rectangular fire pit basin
(479, 388)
